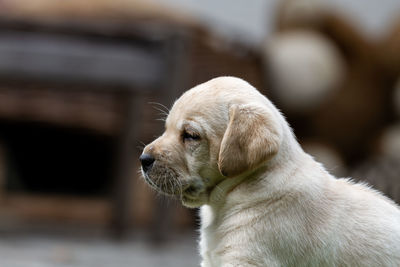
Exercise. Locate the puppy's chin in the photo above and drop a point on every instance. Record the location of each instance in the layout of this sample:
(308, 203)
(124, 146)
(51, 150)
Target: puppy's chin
(164, 180)
(162, 188)
(198, 191)
(195, 194)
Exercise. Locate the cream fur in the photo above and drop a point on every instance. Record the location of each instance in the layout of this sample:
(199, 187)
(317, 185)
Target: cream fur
(276, 206)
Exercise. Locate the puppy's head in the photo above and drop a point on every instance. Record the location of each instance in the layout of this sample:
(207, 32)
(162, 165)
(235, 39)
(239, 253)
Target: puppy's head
(215, 131)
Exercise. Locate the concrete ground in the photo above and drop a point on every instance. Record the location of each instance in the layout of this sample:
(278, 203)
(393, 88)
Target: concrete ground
(50, 250)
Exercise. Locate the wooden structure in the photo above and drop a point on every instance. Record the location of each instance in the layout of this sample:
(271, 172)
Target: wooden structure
(75, 81)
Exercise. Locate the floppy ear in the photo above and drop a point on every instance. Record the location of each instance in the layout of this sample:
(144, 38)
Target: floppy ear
(252, 137)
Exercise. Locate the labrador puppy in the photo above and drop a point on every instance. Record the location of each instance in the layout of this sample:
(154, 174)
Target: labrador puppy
(264, 201)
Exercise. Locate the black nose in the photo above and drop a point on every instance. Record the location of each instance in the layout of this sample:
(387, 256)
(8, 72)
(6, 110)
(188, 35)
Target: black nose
(147, 161)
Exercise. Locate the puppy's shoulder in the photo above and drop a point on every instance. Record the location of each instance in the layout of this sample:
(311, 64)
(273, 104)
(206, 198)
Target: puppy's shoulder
(362, 197)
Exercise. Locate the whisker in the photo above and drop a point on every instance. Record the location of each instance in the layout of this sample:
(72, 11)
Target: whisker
(142, 143)
(162, 115)
(180, 187)
(162, 112)
(161, 105)
(171, 186)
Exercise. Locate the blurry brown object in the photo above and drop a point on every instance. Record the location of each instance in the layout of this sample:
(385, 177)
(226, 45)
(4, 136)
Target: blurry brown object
(359, 116)
(58, 209)
(85, 67)
(389, 49)
(360, 107)
(95, 11)
(92, 68)
(396, 98)
(305, 69)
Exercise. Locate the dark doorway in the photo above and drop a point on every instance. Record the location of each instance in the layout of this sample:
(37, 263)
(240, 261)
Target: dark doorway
(45, 159)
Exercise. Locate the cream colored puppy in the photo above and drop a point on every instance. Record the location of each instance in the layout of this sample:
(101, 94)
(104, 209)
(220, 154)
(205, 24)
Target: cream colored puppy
(264, 201)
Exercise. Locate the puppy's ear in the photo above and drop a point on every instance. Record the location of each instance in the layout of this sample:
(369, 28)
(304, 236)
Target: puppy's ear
(252, 137)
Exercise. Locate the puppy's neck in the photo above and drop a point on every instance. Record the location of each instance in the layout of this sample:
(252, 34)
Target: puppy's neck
(283, 162)
(219, 192)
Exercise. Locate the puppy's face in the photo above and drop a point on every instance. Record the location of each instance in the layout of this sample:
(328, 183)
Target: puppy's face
(210, 135)
(185, 162)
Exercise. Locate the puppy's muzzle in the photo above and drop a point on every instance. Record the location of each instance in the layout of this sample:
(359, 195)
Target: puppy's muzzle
(147, 161)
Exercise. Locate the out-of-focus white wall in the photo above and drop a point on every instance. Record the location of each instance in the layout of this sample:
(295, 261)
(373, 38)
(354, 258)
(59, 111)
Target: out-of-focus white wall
(252, 19)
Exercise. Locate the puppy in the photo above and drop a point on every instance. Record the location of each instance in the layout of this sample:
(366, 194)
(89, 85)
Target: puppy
(264, 201)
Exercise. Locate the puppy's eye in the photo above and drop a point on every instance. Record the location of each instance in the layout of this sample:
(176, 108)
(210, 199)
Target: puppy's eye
(187, 137)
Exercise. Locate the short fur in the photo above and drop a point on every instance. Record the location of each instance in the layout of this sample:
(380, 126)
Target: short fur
(264, 201)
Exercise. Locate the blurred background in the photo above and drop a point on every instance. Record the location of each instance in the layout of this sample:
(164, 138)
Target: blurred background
(83, 84)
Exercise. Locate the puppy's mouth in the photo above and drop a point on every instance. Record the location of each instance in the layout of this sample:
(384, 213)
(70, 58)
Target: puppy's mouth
(164, 182)
(192, 192)
(164, 188)
(172, 187)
